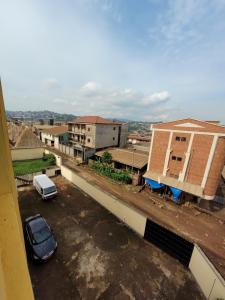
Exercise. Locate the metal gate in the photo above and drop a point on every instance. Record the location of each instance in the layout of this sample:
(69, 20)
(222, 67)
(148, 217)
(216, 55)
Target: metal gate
(169, 242)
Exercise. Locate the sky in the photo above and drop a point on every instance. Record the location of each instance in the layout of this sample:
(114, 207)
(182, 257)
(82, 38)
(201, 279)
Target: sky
(149, 60)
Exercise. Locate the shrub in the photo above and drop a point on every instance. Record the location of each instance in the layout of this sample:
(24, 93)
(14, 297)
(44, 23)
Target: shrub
(49, 157)
(107, 157)
(107, 170)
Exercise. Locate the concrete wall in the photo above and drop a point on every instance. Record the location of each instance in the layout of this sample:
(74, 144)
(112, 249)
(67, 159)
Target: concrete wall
(66, 149)
(58, 159)
(123, 135)
(106, 136)
(132, 217)
(208, 278)
(26, 153)
(89, 153)
(90, 136)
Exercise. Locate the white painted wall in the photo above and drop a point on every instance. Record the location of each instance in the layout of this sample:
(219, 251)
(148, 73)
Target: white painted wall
(208, 278)
(56, 142)
(47, 136)
(58, 159)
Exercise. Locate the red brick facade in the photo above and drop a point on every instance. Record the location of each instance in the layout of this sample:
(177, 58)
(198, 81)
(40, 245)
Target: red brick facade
(191, 151)
(159, 150)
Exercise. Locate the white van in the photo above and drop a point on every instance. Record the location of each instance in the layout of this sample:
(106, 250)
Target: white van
(45, 186)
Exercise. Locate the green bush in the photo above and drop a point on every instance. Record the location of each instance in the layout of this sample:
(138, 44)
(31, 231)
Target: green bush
(49, 157)
(106, 157)
(33, 165)
(107, 170)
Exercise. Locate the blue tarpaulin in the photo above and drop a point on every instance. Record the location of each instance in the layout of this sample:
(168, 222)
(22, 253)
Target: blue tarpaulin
(176, 193)
(154, 184)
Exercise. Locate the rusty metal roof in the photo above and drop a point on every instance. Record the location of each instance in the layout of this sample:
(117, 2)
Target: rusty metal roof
(56, 130)
(127, 157)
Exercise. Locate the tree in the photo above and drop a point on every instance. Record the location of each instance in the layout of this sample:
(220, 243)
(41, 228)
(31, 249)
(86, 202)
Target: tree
(107, 157)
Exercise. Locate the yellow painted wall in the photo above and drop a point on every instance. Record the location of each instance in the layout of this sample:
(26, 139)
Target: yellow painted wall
(15, 283)
(26, 153)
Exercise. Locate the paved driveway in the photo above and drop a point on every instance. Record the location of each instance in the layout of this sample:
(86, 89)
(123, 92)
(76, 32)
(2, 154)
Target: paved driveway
(98, 257)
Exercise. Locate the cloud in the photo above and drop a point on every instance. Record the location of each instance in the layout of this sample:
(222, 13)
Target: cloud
(156, 98)
(119, 102)
(60, 101)
(90, 88)
(51, 84)
(186, 23)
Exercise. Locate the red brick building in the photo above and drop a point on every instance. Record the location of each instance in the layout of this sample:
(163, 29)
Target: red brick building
(186, 156)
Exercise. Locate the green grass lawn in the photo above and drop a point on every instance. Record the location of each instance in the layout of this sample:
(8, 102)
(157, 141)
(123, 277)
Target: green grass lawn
(31, 166)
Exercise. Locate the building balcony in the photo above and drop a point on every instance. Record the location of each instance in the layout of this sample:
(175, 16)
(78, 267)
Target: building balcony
(77, 132)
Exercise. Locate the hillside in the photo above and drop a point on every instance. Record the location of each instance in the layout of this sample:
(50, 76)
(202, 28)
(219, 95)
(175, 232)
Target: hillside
(36, 115)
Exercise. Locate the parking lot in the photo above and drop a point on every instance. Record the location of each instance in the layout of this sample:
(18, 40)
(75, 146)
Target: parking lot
(98, 257)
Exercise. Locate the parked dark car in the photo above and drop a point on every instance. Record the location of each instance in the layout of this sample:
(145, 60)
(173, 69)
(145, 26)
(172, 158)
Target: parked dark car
(39, 238)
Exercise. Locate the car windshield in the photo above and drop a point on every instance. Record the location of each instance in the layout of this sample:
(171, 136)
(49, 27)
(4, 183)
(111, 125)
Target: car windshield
(49, 190)
(41, 235)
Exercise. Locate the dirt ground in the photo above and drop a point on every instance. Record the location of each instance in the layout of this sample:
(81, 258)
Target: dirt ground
(98, 257)
(208, 231)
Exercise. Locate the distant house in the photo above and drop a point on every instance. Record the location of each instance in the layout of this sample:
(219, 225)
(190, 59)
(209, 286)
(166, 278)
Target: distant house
(136, 138)
(54, 136)
(89, 133)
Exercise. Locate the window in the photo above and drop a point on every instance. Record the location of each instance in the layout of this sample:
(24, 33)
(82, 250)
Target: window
(89, 128)
(113, 139)
(177, 158)
(88, 140)
(180, 139)
(114, 128)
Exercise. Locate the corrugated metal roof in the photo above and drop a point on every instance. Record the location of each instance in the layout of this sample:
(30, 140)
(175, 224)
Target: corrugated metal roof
(56, 130)
(27, 139)
(126, 157)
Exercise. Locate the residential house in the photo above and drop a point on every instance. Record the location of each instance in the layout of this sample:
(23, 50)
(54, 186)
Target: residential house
(186, 158)
(136, 138)
(90, 133)
(54, 136)
(132, 160)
